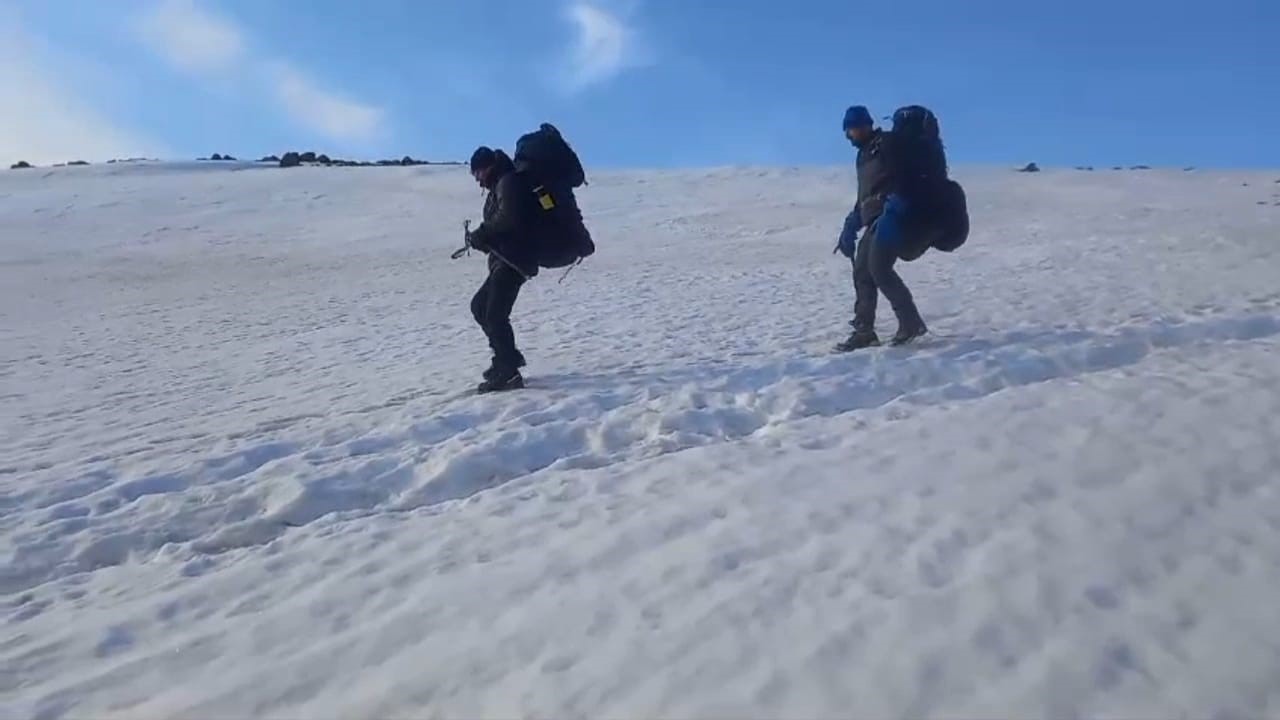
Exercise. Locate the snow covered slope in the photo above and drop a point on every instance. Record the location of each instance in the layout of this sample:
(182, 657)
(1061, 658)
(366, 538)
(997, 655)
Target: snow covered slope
(238, 478)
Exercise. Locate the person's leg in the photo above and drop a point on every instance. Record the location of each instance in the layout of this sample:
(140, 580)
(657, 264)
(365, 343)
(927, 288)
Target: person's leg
(479, 310)
(864, 306)
(864, 286)
(480, 302)
(881, 258)
(504, 288)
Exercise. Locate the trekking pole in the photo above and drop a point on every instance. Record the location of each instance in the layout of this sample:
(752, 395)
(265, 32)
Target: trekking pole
(508, 263)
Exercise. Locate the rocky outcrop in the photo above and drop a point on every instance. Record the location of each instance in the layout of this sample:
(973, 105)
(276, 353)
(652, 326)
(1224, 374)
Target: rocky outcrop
(295, 158)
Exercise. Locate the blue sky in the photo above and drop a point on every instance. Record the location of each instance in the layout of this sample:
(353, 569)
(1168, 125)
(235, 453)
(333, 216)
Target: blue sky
(641, 83)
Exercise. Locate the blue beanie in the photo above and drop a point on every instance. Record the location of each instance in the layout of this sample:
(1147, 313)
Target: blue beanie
(857, 116)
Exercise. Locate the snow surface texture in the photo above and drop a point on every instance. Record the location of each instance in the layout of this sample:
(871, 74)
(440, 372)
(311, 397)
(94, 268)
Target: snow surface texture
(238, 477)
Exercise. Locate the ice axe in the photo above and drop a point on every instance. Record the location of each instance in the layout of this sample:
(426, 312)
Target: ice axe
(466, 241)
(466, 250)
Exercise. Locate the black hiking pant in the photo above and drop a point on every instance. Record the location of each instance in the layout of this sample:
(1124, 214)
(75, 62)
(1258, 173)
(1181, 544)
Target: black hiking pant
(491, 308)
(873, 273)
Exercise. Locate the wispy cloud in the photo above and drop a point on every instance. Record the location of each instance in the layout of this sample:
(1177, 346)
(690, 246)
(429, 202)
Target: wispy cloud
(191, 38)
(604, 45)
(195, 40)
(325, 112)
(48, 120)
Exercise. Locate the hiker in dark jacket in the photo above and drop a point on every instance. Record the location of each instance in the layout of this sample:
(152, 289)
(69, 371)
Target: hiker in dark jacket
(506, 234)
(885, 194)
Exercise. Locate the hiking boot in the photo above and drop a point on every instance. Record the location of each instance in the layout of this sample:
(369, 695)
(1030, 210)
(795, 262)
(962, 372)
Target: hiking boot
(908, 332)
(502, 378)
(493, 369)
(858, 340)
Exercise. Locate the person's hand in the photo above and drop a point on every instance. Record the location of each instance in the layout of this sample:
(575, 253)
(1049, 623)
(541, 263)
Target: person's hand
(848, 243)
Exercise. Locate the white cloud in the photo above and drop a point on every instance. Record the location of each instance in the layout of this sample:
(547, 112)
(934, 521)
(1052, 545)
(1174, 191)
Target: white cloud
(604, 45)
(46, 121)
(191, 38)
(327, 114)
(194, 40)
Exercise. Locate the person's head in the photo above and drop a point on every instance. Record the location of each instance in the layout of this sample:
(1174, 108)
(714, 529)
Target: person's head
(858, 124)
(483, 161)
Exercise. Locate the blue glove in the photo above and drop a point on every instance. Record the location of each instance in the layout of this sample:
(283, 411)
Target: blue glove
(848, 243)
(889, 225)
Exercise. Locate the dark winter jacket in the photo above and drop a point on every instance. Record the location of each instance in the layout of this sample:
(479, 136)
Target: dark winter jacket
(510, 223)
(878, 174)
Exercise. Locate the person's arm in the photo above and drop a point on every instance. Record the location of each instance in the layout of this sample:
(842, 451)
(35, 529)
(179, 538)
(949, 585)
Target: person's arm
(894, 208)
(507, 216)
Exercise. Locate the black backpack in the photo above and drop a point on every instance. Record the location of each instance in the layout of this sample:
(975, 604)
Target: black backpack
(923, 159)
(919, 141)
(546, 157)
(954, 210)
(554, 170)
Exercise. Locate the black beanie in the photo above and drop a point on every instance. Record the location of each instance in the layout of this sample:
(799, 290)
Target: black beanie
(483, 157)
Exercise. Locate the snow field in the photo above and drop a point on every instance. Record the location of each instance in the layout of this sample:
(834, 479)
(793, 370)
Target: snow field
(238, 476)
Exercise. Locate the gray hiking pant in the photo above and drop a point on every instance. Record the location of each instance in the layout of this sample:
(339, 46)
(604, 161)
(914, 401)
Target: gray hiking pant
(873, 273)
